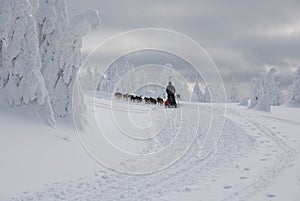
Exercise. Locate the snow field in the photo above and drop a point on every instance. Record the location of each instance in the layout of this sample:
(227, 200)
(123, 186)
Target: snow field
(188, 171)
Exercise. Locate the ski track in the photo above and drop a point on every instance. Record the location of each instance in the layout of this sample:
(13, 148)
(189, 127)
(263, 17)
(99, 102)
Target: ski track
(188, 171)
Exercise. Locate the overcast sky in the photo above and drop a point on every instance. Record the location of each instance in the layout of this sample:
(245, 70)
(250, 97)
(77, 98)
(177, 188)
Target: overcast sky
(242, 37)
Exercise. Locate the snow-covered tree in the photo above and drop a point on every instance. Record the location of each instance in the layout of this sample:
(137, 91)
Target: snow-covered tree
(40, 53)
(244, 102)
(217, 94)
(255, 93)
(233, 98)
(269, 90)
(263, 91)
(21, 81)
(97, 75)
(134, 79)
(60, 41)
(264, 103)
(294, 90)
(206, 96)
(103, 84)
(112, 76)
(277, 97)
(121, 77)
(185, 93)
(197, 95)
(89, 78)
(269, 83)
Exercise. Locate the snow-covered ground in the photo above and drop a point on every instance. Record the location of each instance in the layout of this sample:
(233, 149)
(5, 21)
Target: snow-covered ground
(256, 158)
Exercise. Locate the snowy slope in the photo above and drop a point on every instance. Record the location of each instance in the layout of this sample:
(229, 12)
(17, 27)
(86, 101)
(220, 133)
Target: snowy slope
(256, 158)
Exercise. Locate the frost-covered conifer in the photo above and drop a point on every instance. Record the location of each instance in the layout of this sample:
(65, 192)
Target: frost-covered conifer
(294, 90)
(206, 96)
(197, 95)
(263, 91)
(244, 102)
(21, 81)
(60, 41)
(233, 98)
(256, 92)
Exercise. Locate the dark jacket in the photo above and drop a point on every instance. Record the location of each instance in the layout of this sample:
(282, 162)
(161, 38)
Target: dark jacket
(170, 89)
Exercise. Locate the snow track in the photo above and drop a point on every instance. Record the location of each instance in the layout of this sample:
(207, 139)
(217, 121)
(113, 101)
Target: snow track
(189, 170)
(249, 155)
(284, 154)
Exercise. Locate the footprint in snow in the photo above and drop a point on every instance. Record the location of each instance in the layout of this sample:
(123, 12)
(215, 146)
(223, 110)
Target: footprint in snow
(66, 138)
(187, 189)
(269, 195)
(242, 178)
(246, 169)
(263, 159)
(227, 187)
(105, 177)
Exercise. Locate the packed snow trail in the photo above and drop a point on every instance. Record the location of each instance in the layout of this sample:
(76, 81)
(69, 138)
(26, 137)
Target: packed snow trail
(249, 156)
(118, 186)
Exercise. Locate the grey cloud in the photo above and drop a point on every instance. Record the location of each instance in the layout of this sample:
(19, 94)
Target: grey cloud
(241, 36)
